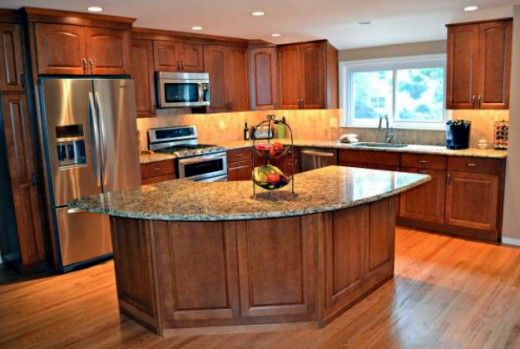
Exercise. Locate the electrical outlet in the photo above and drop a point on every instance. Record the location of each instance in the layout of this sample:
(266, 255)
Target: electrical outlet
(221, 124)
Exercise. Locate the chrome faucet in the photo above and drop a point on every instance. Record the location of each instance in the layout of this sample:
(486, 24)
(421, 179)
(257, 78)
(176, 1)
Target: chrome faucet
(389, 134)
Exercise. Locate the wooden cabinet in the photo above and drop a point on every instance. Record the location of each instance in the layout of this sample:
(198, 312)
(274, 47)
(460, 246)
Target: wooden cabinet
(178, 56)
(286, 162)
(77, 50)
(159, 171)
(239, 164)
(263, 78)
(11, 59)
(141, 70)
(425, 203)
(479, 65)
(107, 51)
(227, 67)
(308, 76)
(22, 173)
(380, 160)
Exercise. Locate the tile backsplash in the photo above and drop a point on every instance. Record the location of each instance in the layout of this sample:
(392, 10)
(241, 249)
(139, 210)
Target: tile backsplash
(310, 124)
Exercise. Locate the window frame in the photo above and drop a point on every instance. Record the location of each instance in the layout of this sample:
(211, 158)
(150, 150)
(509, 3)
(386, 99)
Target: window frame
(347, 68)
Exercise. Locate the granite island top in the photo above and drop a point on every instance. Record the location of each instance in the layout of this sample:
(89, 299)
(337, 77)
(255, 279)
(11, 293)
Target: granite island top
(411, 148)
(325, 189)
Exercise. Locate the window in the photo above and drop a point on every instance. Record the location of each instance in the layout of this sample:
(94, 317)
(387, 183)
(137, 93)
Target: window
(410, 91)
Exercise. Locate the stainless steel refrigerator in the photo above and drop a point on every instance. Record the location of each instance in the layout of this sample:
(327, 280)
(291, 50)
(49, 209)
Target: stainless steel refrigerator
(91, 147)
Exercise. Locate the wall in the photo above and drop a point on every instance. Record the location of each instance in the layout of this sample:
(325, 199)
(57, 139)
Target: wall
(413, 49)
(223, 127)
(511, 223)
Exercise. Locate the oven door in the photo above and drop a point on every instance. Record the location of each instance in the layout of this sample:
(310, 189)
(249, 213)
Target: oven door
(204, 167)
(183, 93)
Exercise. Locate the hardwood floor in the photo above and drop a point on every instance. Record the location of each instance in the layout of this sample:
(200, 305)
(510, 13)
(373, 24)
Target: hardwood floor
(447, 293)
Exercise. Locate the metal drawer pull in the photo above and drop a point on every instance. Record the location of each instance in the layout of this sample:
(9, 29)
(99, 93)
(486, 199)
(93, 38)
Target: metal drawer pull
(423, 161)
(423, 171)
(157, 169)
(471, 164)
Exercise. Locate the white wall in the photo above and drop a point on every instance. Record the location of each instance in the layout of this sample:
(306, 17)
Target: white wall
(401, 50)
(511, 223)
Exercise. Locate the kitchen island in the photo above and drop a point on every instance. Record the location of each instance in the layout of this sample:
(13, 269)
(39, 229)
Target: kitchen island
(193, 257)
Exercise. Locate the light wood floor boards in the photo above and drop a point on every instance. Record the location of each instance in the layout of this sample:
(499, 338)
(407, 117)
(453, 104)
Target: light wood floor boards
(447, 293)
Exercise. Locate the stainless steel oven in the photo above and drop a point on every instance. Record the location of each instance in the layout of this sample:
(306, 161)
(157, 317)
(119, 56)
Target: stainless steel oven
(182, 89)
(207, 167)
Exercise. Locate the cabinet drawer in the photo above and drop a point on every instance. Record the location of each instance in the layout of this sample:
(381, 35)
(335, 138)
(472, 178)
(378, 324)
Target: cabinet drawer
(434, 162)
(239, 155)
(368, 157)
(474, 165)
(156, 169)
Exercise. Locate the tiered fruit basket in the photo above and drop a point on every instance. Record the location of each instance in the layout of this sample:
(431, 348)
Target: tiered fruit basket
(265, 174)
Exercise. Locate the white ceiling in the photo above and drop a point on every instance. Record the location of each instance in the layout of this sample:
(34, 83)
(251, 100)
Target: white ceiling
(393, 21)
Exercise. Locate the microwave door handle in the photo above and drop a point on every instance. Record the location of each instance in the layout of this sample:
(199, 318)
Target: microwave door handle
(94, 138)
(201, 92)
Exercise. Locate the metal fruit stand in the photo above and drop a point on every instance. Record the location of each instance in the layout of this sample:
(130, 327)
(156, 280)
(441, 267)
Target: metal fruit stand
(265, 153)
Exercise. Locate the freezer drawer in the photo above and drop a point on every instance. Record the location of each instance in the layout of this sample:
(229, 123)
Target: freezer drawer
(83, 235)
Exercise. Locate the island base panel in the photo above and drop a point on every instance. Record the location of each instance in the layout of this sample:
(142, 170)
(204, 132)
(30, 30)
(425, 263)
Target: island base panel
(210, 277)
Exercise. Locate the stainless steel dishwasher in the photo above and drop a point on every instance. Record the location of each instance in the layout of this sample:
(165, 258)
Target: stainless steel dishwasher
(317, 157)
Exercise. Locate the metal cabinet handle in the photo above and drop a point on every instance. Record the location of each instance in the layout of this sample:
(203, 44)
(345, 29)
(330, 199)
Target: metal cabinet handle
(182, 65)
(84, 65)
(423, 161)
(91, 64)
(423, 171)
(34, 179)
(471, 164)
(449, 179)
(157, 169)
(479, 101)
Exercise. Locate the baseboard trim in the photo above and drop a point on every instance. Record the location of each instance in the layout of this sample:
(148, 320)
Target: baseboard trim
(510, 241)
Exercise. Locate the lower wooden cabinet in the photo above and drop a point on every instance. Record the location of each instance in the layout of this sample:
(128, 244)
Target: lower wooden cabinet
(425, 203)
(159, 171)
(472, 200)
(239, 164)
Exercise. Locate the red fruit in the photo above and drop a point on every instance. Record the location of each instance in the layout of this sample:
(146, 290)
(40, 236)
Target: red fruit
(263, 147)
(278, 146)
(273, 178)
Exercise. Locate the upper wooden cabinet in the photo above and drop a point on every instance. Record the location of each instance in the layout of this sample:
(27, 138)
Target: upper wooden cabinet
(227, 67)
(178, 56)
(11, 62)
(479, 65)
(77, 50)
(263, 64)
(308, 75)
(141, 70)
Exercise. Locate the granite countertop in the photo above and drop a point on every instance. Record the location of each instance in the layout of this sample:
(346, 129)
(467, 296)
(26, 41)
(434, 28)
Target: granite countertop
(325, 189)
(411, 148)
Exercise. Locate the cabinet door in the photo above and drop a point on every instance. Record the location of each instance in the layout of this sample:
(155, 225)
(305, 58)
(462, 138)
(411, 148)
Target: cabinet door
(236, 79)
(495, 64)
(191, 57)
(463, 46)
(313, 70)
(262, 78)
(214, 64)
(472, 201)
(141, 70)
(108, 50)
(289, 77)
(165, 56)
(11, 62)
(425, 203)
(61, 49)
(22, 169)
(240, 171)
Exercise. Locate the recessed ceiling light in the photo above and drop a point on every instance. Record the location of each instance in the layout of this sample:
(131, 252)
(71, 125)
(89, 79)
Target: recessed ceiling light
(94, 9)
(258, 13)
(365, 22)
(470, 8)
(276, 35)
(196, 27)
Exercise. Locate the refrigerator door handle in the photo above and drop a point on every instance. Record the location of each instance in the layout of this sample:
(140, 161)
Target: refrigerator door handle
(102, 136)
(94, 136)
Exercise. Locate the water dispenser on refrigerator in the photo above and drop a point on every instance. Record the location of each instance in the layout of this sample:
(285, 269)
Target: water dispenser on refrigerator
(70, 141)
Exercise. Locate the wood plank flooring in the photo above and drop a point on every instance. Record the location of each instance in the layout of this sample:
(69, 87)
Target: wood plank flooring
(447, 293)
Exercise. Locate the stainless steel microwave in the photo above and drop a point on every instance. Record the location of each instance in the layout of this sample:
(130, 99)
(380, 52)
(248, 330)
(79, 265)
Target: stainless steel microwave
(182, 89)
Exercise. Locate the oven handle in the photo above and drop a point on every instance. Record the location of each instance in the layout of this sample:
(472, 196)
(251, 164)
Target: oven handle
(196, 159)
(222, 178)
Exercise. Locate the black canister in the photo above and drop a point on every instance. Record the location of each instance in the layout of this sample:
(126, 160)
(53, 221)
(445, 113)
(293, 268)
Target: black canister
(457, 134)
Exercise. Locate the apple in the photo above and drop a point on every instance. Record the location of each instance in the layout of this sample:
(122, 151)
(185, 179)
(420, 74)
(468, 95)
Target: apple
(273, 178)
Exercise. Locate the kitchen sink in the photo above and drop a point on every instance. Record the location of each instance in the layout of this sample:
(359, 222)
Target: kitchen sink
(379, 145)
